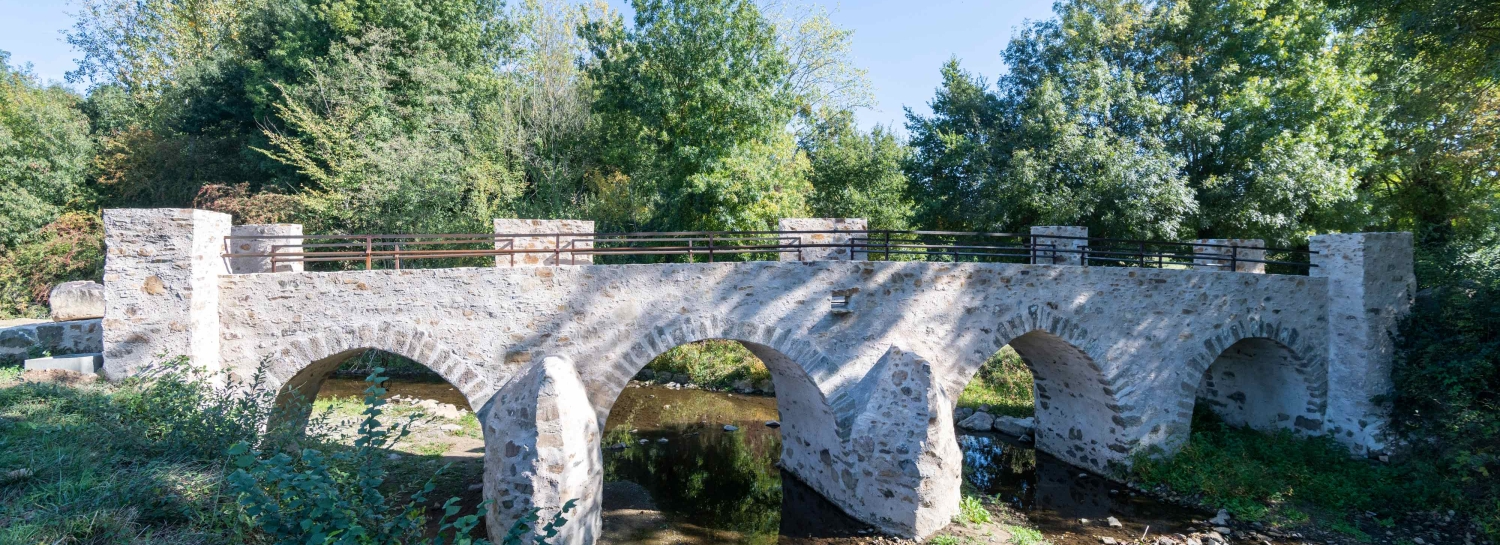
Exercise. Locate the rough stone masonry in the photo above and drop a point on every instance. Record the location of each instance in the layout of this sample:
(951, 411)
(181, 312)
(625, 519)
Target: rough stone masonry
(866, 391)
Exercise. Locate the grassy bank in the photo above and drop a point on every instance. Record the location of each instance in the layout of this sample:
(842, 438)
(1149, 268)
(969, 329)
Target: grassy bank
(176, 460)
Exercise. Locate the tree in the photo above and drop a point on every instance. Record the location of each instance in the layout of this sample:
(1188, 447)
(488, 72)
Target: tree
(394, 140)
(44, 153)
(686, 99)
(855, 174)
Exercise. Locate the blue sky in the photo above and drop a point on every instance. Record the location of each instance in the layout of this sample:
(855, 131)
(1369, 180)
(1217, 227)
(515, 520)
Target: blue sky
(900, 42)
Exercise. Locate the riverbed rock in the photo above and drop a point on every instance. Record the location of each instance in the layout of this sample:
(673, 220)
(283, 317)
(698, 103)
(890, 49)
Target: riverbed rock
(731, 427)
(1019, 427)
(1221, 519)
(682, 378)
(979, 421)
(743, 386)
(766, 386)
(82, 300)
(646, 375)
(772, 424)
(1114, 523)
(962, 413)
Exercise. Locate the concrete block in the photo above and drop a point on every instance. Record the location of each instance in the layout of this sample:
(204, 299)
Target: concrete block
(268, 243)
(80, 363)
(551, 245)
(1058, 251)
(830, 245)
(1212, 254)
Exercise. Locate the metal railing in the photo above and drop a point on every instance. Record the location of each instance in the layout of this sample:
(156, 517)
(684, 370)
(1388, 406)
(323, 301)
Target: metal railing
(467, 249)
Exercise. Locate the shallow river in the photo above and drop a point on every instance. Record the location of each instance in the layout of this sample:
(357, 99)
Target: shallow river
(676, 477)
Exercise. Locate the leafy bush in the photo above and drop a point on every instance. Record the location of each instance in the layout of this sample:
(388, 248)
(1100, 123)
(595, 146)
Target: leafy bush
(1446, 402)
(1260, 476)
(70, 248)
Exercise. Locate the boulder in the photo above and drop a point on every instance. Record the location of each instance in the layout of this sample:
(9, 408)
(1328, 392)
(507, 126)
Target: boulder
(766, 386)
(743, 386)
(81, 300)
(645, 375)
(1018, 427)
(962, 413)
(979, 421)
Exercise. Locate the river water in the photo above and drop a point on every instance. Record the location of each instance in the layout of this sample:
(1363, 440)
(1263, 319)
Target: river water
(675, 476)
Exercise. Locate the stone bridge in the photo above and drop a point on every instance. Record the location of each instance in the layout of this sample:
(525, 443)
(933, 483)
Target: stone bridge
(866, 389)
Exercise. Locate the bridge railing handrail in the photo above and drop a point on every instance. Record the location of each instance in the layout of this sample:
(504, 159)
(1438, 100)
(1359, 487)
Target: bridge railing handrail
(873, 243)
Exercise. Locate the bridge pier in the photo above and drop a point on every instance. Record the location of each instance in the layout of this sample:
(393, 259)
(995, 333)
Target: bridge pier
(1370, 288)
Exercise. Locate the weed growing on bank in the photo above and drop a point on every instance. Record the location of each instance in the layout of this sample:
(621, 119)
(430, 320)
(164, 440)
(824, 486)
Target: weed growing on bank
(1282, 477)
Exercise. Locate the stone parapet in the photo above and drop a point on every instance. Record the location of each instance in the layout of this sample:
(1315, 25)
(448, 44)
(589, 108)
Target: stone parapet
(1058, 251)
(824, 238)
(1211, 254)
(550, 246)
(1370, 288)
(269, 243)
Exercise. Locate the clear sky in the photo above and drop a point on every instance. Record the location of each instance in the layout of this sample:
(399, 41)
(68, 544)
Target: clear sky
(902, 43)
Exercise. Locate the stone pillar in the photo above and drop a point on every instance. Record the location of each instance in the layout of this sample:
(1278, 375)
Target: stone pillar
(1242, 249)
(1370, 288)
(839, 241)
(269, 241)
(1041, 254)
(161, 287)
(548, 240)
(542, 450)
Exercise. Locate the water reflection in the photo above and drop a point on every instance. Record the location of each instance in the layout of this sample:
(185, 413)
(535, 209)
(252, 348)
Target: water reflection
(1056, 495)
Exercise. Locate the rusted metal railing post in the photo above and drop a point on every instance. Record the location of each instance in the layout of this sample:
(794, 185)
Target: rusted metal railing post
(369, 246)
(710, 247)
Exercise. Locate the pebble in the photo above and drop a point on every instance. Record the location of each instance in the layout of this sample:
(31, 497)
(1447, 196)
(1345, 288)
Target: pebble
(476, 486)
(641, 442)
(662, 440)
(731, 427)
(1115, 523)
(1106, 540)
(772, 424)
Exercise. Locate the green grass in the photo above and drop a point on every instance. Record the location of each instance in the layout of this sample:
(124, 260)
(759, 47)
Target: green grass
(1025, 536)
(971, 511)
(1283, 478)
(943, 540)
(712, 364)
(120, 485)
(1004, 383)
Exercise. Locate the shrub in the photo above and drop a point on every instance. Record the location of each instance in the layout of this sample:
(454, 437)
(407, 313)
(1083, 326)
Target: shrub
(971, 511)
(70, 248)
(1446, 401)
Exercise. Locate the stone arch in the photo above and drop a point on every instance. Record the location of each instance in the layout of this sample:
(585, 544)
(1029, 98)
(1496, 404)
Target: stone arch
(301, 364)
(1079, 416)
(1258, 374)
(795, 364)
